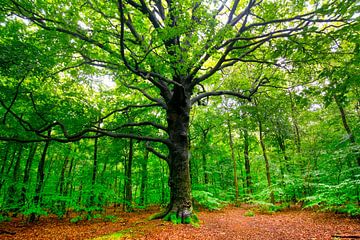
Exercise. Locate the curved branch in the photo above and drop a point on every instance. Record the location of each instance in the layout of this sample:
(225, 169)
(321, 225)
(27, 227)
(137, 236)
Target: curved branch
(14, 99)
(219, 93)
(156, 153)
(127, 108)
(157, 100)
(137, 124)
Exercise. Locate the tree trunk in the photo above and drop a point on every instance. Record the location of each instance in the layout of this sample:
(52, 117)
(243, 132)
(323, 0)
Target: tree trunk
(27, 170)
(61, 183)
(6, 173)
(267, 168)
(128, 179)
(236, 186)
(178, 109)
(247, 162)
(40, 179)
(144, 176)
(13, 189)
(347, 128)
(4, 160)
(297, 139)
(204, 163)
(163, 182)
(93, 178)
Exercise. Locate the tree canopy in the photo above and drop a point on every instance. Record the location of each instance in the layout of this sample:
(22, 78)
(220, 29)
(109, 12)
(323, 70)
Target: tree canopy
(147, 71)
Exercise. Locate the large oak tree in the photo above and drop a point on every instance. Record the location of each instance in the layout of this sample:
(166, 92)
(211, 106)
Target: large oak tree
(165, 50)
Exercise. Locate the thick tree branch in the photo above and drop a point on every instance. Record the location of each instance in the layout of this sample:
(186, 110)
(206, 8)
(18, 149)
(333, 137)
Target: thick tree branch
(156, 153)
(14, 98)
(219, 93)
(136, 124)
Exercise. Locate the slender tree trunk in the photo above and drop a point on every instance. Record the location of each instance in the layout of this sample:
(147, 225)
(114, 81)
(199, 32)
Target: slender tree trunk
(242, 176)
(6, 173)
(295, 123)
(13, 196)
(144, 176)
(27, 170)
(128, 179)
(94, 172)
(267, 168)
(203, 155)
(204, 163)
(61, 183)
(247, 162)
(282, 147)
(347, 128)
(40, 179)
(236, 186)
(3, 165)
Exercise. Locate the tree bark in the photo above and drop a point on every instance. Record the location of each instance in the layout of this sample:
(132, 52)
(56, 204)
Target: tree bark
(267, 168)
(13, 190)
(94, 172)
(61, 183)
(27, 170)
(40, 179)
(3, 178)
(178, 110)
(128, 179)
(144, 176)
(347, 128)
(4, 160)
(236, 186)
(247, 162)
(204, 163)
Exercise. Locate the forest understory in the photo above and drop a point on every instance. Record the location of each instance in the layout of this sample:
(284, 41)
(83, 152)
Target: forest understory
(244, 222)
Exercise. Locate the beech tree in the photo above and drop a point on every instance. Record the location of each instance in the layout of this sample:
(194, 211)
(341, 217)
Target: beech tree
(166, 51)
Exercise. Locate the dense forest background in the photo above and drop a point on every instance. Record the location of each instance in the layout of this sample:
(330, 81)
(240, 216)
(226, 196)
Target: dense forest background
(296, 141)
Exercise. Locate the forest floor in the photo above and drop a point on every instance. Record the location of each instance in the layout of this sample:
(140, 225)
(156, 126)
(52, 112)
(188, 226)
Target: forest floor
(228, 223)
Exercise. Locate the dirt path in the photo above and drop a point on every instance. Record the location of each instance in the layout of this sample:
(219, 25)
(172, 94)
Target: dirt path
(230, 223)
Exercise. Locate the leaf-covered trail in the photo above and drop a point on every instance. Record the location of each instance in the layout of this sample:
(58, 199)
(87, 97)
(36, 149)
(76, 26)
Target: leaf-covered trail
(229, 223)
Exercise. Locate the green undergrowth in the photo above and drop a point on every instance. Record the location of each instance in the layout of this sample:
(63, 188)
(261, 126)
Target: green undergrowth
(172, 217)
(207, 200)
(268, 208)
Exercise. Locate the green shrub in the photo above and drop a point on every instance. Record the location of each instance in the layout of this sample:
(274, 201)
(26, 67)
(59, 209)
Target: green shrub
(76, 219)
(249, 213)
(110, 218)
(5, 219)
(207, 200)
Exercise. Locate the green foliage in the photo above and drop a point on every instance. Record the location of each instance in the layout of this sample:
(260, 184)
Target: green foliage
(76, 219)
(266, 207)
(338, 198)
(249, 213)
(207, 200)
(110, 218)
(54, 66)
(5, 218)
(38, 211)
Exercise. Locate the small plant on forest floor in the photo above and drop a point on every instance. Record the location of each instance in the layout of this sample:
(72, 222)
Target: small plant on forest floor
(110, 218)
(76, 219)
(5, 219)
(249, 213)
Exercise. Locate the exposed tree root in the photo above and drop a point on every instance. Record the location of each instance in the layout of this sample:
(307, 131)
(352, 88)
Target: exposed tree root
(185, 217)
